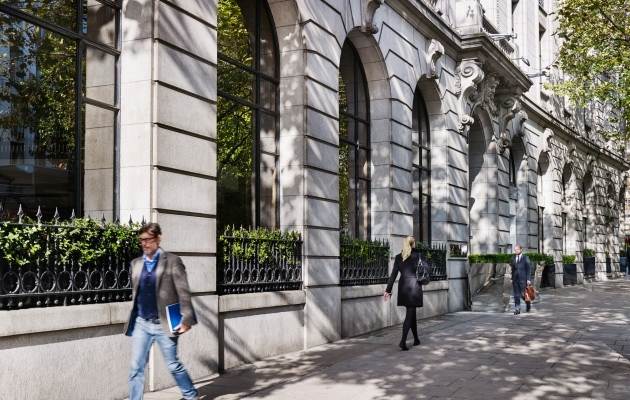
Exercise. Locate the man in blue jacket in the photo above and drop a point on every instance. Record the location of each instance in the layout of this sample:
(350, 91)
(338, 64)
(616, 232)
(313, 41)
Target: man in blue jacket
(521, 272)
(158, 279)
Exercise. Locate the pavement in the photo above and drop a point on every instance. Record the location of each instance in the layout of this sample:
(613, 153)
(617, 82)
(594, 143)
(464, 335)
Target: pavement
(575, 344)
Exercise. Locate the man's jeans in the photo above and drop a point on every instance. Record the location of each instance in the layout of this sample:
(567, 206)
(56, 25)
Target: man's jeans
(519, 287)
(144, 333)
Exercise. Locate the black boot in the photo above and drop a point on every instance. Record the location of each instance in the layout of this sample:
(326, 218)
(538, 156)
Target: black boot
(403, 345)
(528, 306)
(416, 341)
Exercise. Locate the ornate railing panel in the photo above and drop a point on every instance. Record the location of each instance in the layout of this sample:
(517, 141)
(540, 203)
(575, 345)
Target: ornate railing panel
(363, 262)
(50, 276)
(436, 257)
(249, 265)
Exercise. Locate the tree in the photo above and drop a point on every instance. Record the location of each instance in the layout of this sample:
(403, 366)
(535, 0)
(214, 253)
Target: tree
(595, 55)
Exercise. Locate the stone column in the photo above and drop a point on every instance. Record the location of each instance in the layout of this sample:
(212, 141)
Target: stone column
(168, 151)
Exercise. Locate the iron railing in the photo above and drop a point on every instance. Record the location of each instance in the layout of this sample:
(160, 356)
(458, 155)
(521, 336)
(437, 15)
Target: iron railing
(363, 262)
(248, 265)
(435, 255)
(48, 278)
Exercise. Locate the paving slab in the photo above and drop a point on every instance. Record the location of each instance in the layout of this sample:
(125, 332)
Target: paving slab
(575, 344)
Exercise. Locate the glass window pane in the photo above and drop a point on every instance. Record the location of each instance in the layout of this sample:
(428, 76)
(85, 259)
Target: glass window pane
(268, 95)
(99, 23)
(234, 38)
(37, 118)
(98, 164)
(267, 45)
(268, 187)
(59, 12)
(426, 179)
(364, 134)
(415, 192)
(426, 158)
(426, 215)
(363, 211)
(362, 98)
(100, 76)
(363, 164)
(346, 202)
(235, 163)
(268, 134)
(235, 81)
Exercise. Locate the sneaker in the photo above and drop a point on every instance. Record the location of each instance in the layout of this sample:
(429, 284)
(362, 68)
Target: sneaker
(517, 312)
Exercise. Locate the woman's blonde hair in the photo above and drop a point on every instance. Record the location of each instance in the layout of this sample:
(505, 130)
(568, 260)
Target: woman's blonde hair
(408, 244)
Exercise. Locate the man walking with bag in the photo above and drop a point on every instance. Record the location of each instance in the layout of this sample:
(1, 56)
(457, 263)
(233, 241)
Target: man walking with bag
(158, 280)
(521, 272)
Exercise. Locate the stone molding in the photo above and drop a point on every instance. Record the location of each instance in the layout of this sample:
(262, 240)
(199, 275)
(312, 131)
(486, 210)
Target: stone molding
(469, 77)
(507, 107)
(369, 10)
(435, 52)
(252, 301)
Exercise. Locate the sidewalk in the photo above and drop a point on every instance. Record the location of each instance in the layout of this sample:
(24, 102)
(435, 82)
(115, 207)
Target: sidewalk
(574, 345)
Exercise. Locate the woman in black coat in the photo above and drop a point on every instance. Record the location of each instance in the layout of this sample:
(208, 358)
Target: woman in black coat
(409, 290)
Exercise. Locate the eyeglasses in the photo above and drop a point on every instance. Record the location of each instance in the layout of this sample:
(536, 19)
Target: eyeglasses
(146, 239)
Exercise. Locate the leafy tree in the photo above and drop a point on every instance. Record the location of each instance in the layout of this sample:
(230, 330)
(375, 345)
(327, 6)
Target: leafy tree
(596, 56)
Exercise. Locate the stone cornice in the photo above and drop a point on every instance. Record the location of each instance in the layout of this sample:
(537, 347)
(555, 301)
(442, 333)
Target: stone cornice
(563, 131)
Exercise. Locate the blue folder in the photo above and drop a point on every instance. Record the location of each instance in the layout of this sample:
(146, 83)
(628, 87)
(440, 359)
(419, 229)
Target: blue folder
(174, 317)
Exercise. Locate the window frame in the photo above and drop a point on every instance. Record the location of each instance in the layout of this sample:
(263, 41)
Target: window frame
(82, 42)
(262, 10)
(420, 110)
(358, 72)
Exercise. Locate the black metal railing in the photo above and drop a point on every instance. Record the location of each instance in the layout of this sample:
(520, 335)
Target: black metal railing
(45, 274)
(435, 255)
(248, 265)
(363, 262)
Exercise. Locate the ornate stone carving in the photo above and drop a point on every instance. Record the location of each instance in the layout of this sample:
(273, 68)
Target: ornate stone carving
(488, 88)
(368, 15)
(436, 50)
(469, 76)
(507, 107)
(519, 123)
(547, 145)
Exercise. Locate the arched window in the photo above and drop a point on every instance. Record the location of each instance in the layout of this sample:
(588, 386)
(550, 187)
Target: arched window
(512, 168)
(247, 115)
(421, 170)
(354, 146)
(566, 177)
(59, 106)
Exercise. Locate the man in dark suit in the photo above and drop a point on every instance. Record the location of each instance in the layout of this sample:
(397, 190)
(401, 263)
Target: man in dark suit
(158, 279)
(521, 271)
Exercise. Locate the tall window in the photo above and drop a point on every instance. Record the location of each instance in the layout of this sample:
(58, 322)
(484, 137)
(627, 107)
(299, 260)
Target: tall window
(354, 146)
(247, 115)
(564, 233)
(421, 170)
(59, 106)
(541, 230)
(512, 168)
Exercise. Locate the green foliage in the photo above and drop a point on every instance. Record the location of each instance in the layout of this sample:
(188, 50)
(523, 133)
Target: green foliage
(84, 240)
(365, 250)
(503, 258)
(568, 259)
(243, 244)
(588, 252)
(595, 55)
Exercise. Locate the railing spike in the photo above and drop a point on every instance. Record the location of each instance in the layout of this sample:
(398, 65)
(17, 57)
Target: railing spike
(144, 222)
(20, 213)
(73, 215)
(130, 220)
(39, 214)
(56, 215)
(103, 220)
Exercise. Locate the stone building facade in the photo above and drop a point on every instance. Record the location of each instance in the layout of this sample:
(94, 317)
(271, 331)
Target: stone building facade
(458, 141)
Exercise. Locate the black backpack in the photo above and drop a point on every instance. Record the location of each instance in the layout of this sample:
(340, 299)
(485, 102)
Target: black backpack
(423, 271)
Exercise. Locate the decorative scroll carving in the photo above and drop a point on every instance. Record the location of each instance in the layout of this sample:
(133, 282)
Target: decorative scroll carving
(507, 108)
(436, 50)
(368, 15)
(469, 76)
(547, 141)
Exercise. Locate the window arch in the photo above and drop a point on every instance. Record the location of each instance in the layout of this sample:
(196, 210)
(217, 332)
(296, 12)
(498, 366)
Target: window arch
(354, 145)
(421, 142)
(247, 115)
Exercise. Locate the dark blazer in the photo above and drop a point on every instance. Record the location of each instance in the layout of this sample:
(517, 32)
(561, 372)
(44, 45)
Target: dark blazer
(521, 270)
(409, 290)
(171, 286)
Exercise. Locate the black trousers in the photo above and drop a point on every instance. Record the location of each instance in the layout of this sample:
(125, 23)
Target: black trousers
(410, 323)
